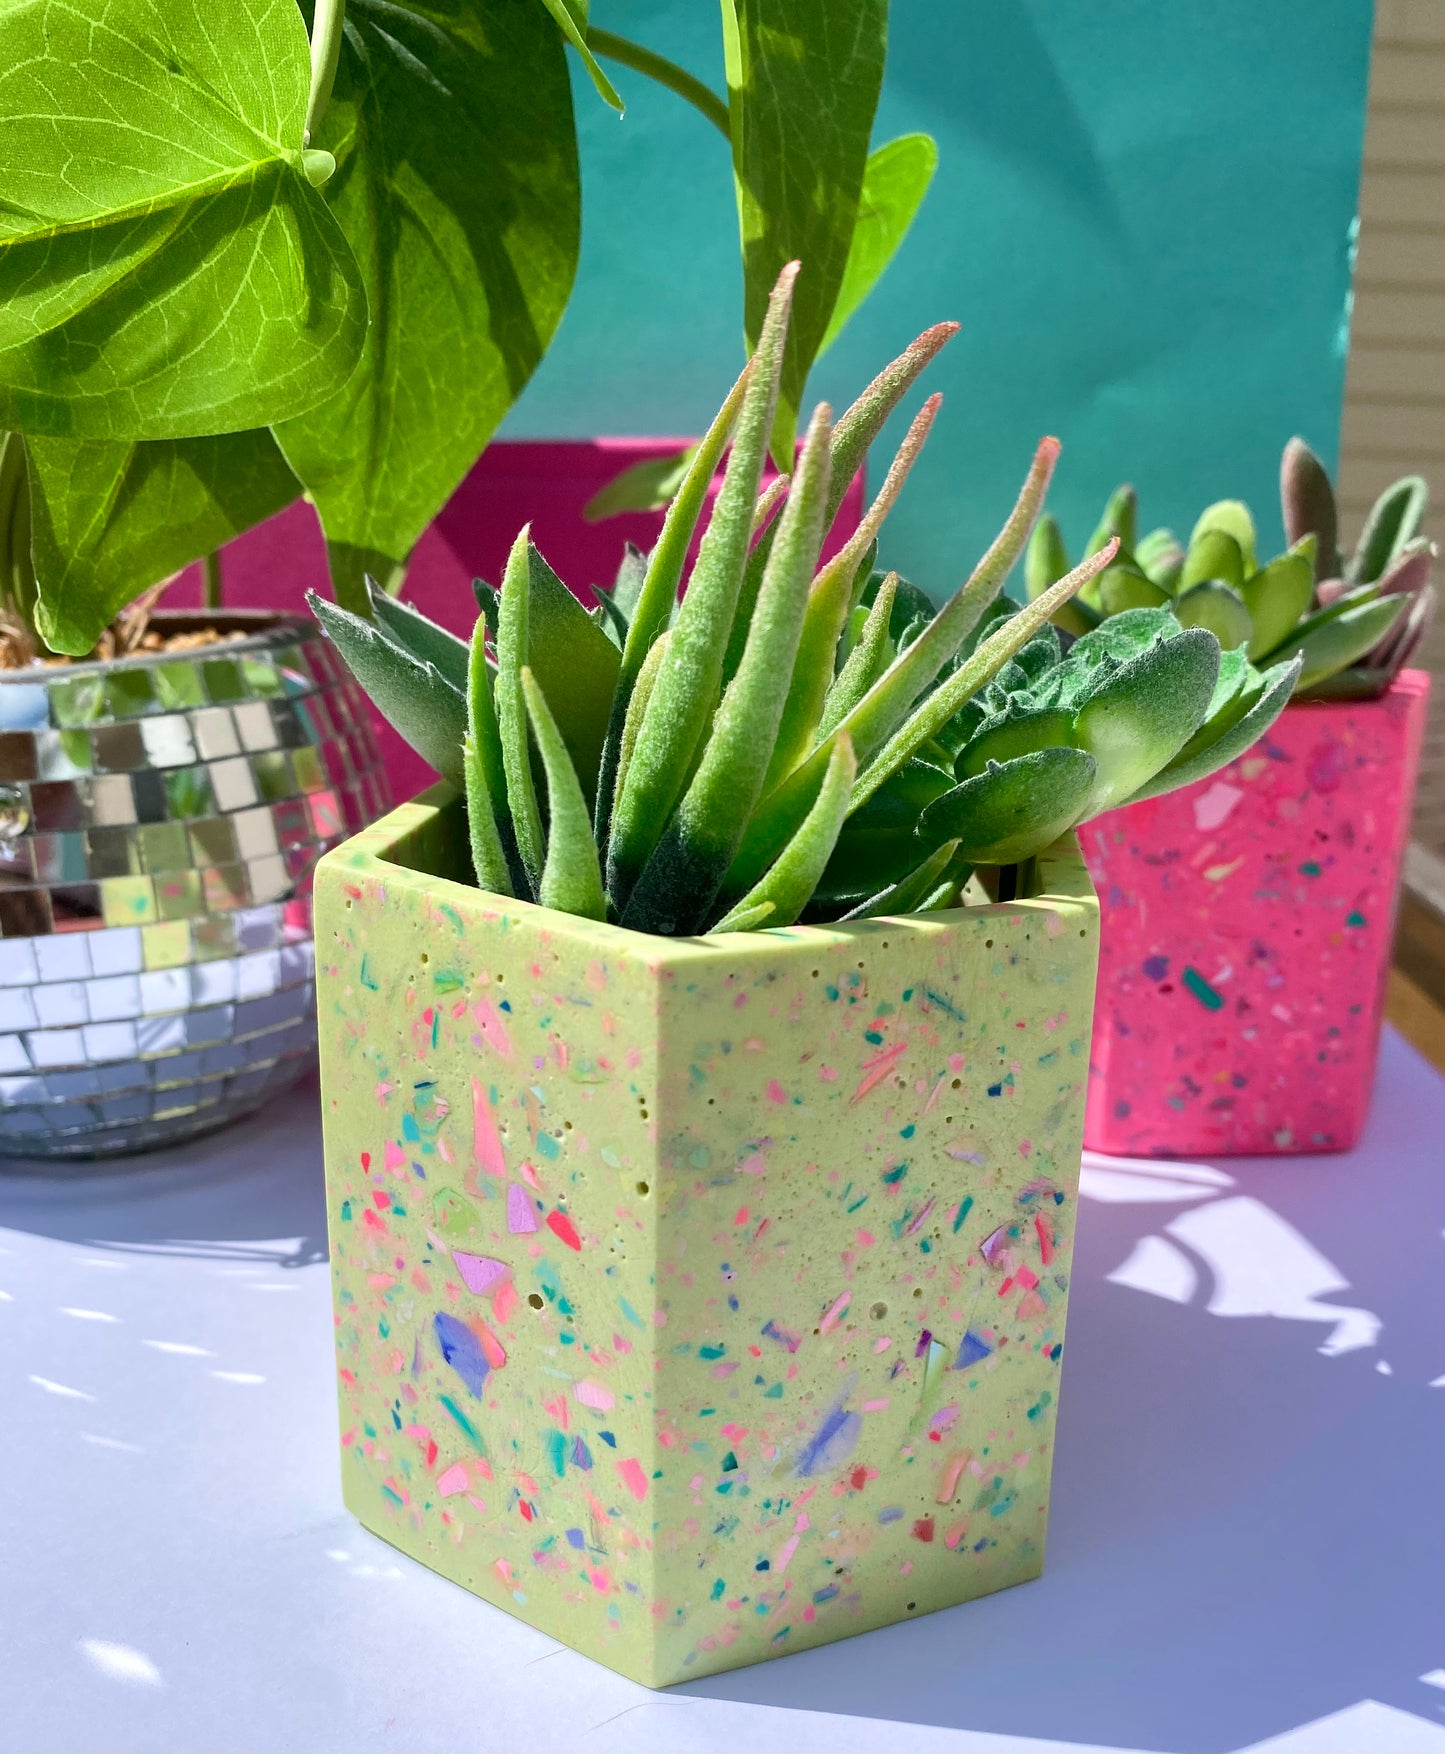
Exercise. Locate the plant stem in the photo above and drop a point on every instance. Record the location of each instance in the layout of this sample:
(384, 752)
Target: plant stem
(325, 53)
(677, 79)
(212, 595)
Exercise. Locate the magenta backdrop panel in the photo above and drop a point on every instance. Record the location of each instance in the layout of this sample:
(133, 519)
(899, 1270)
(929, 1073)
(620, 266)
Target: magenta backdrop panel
(544, 482)
(1247, 924)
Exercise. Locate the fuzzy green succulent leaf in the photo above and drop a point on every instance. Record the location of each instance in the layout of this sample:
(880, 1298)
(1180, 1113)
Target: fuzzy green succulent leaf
(571, 878)
(1046, 558)
(1015, 808)
(689, 680)
(877, 844)
(483, 773)
(680, 881)
(790, 881)
(1307, 501)
(1137, 721)
(745, 919)
(513, 620)
(1160, 556)
(911, 891)
(420, 635)
(1338, 637)
(1126, 586)
(1219, 607)
(1394, 520)
(1205, 754)
(1212, 554)
(1234, 517)
(411, 694)
(1278, 595)
(1126, 635)
(871, 655)
(1021, 731)
(575, 663)
(1121, 519)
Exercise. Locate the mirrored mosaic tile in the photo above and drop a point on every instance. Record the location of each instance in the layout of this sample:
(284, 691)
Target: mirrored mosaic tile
(159, 824)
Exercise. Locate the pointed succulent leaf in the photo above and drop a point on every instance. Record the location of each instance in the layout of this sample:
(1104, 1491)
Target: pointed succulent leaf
(627, 586)
(1278, 595)
(1234, 517)
(1140, 719)
(485, 780)
(1219, 607)
(1212, 554)
(830, 597)
(513, 619)
(1121, 519)
(909, 892)
(877, 845)
(410, 694)
(575, 663)
(419, 634)
(571, 876)
(1338, 638)
(1409, 570)
(1402, 641)
(1013, 809)
(790, 880)
(1046, 558)
(908, 600)
(1196, 761)
(854, 432)
(745, 919)
(1307, 501)
(1021, 731)
(680, 881)
(1160, 556)
(686, 691)
(638, 704)
(938, 708)
(1394, 520)
(866, 662)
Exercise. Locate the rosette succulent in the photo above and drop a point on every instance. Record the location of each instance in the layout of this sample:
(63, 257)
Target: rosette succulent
(792, 738)
(1353, 624)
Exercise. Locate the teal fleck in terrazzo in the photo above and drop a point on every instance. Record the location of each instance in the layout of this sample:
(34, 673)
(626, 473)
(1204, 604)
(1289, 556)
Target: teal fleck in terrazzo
(695, 1300)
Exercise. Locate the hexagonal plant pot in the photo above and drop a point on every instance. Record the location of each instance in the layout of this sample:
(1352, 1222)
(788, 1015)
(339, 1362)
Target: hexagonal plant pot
(1248, 922)
(698, 1300)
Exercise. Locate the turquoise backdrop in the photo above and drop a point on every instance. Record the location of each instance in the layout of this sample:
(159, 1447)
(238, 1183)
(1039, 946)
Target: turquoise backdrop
(1143, 217)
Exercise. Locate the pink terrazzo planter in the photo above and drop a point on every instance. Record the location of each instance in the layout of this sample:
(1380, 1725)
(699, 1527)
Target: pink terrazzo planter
(544, 482)
(1247, 924)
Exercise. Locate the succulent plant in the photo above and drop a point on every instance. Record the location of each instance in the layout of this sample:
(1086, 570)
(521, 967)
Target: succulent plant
(792, 739)
(1352, 624)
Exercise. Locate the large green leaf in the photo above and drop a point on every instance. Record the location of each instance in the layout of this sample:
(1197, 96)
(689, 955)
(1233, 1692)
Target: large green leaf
(456, 184)
(167, 269)
(803, 82)
(1014, 809)
(108, 519)
(895, 180)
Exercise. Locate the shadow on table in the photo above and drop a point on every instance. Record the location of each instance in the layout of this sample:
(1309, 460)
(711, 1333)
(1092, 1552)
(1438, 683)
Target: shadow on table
(1246, 1527)
(251, 1192)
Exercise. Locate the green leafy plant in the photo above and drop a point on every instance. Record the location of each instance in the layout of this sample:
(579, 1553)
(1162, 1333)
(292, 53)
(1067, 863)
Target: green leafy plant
(238, 264)
(793, 739)
(1352, 624)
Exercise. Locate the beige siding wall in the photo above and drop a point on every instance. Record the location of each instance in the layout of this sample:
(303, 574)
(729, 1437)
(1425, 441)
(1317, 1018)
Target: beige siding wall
(1395, 388)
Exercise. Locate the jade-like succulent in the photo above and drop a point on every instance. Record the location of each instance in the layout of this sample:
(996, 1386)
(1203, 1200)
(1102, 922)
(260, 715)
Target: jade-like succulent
(1353, 624)
(791, 739)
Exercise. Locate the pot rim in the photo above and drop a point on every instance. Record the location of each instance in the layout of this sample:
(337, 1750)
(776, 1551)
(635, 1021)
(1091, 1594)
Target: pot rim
(255, 628)
(380, 852)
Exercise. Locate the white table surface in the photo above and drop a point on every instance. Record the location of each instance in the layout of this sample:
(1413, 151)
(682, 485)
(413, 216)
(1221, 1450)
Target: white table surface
(1245, 1550)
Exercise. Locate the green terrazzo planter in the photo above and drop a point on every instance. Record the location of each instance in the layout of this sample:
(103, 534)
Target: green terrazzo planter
(698, 1300)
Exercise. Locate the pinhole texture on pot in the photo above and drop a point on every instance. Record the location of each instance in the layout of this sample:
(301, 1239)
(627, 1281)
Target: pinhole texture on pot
(160, 820)
(1248, 923)
(698, 1300)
